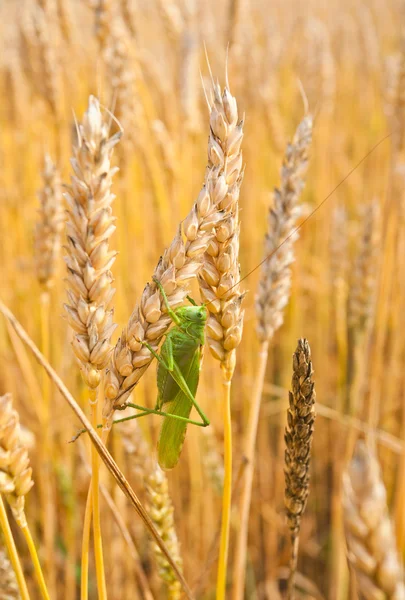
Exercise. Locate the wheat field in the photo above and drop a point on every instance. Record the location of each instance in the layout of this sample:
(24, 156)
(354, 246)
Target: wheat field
(249, 155)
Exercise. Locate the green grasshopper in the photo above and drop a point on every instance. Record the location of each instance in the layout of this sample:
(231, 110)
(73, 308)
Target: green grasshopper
(178, 374)
(180, 360)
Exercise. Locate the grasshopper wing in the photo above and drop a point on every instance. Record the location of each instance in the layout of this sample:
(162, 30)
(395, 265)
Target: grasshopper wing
(173, 431)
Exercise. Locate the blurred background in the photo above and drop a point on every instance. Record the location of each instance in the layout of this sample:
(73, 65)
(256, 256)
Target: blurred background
(145, 60)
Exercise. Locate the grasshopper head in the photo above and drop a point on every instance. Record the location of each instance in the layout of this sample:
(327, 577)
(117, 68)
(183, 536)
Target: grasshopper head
(193, 314)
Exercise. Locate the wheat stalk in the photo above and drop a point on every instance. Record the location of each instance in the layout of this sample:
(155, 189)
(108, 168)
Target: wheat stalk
(371, 546)
(298, 441)
(219, 280)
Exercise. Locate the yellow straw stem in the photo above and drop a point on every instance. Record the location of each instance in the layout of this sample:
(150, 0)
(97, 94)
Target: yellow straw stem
(84, 587)
(293, 567)
(98, 544)
(35, 561)
(84, 590)
(12, 552)
(46, 487)
(227, 494)
(241, 545)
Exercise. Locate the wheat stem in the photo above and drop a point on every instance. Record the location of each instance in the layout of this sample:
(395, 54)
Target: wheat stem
(46, 487)
(98, 544)
(12, 551)
(227, 494)
(84, 583)
(249, 455)
(35, 561)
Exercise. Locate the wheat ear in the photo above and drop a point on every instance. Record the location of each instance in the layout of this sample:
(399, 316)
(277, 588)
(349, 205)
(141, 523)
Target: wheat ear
(89, 226)
(161, 513)
(143, 465)
(8, 580)
(275, 282)
(370, 539)
(272, 297)
(50, 224)
(16, 477)
(361, 308)
(298, 440)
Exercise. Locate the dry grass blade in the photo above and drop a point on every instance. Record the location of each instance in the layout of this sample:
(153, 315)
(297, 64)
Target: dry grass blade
(100, 447)
(370, 537)
(298, 440)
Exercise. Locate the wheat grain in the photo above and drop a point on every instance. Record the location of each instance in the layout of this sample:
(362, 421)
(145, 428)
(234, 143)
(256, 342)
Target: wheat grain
(89, 226)
(275, 282)
(371, 547)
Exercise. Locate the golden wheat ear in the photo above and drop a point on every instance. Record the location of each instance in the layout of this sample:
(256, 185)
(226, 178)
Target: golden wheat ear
(370, 538)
